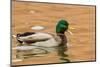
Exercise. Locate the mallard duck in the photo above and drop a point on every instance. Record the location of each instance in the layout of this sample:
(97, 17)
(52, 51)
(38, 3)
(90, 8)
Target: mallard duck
(46, 39)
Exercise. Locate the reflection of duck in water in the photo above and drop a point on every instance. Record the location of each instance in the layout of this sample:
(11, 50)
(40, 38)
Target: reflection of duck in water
(47, 40)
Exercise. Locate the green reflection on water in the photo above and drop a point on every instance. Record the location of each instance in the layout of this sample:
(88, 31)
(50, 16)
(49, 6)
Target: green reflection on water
(61, 52)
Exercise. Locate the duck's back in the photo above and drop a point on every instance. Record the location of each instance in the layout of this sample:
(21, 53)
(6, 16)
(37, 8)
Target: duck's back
(41, 39)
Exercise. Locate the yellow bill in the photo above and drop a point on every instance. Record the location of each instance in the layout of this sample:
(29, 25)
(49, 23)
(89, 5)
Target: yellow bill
(69, 30)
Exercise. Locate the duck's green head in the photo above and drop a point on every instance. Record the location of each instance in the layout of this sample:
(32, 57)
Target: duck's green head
(62, 26)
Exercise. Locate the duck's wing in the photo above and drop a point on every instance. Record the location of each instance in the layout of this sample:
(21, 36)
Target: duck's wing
(36, 40)
(53, 35)
(35, 37)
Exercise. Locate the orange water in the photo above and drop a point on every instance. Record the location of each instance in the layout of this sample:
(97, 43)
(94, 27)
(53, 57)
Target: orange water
(81, 45)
